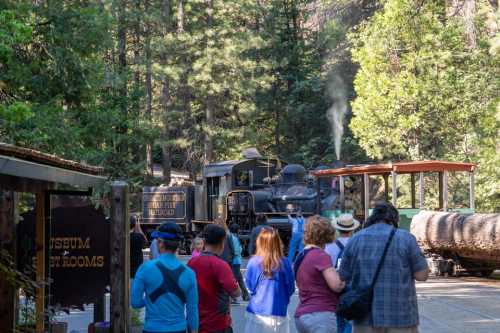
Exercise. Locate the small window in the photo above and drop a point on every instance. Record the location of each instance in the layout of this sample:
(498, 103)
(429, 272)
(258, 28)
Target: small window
(243, 178)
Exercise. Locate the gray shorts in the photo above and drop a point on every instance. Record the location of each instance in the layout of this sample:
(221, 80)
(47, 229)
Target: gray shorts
(317, 322)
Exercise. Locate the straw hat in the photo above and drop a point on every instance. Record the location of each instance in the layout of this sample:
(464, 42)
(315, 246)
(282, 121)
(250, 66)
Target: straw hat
(345, 222)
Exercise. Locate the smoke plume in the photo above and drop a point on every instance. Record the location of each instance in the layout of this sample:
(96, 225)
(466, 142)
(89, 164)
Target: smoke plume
(337, 111)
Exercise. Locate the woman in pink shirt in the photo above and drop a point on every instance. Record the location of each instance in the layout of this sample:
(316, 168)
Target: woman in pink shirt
(318, 282)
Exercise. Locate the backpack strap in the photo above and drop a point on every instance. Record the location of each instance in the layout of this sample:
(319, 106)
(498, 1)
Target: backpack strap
(300, 258)
(170, 283)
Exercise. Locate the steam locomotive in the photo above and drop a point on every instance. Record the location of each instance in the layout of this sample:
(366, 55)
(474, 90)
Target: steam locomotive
(239, 191)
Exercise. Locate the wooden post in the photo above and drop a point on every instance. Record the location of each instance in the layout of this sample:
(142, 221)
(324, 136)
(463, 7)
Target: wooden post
(413, 191)
(441, 199)
(471, 191)
(8, 293)
(394, 188)
(120, 259)
(318, 196)
(40, 261)
(342, 193)
(421, 191)
(366, 194)
(445, 191)
(386, 187)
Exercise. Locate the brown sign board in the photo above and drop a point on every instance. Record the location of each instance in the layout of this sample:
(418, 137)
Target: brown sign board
(79, 252)
(166, 204)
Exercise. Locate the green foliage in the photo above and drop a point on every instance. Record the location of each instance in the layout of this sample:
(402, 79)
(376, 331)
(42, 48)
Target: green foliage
(422, 92)
(74, 82)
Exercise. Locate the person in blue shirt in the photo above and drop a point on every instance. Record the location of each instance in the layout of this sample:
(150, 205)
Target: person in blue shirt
(269, 277)
(154, 253)
(237, 259)
(261, 224)
(167, 287)
(394, 306)
(296, 242)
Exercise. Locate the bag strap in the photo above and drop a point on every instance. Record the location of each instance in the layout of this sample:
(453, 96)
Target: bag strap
(382, 259)
(341, 252)
(299, 259)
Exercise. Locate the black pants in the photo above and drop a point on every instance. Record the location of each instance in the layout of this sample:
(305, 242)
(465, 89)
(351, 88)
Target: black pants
(227, 330)
(239, 278)
(163, 332)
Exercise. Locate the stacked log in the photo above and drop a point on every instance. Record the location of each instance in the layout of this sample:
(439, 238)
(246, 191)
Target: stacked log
(475, 236)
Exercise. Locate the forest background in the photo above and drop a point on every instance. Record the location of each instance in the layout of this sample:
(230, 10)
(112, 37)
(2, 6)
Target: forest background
(128, 83)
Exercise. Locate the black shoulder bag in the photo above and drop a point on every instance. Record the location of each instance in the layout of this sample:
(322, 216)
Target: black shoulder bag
(357, 303)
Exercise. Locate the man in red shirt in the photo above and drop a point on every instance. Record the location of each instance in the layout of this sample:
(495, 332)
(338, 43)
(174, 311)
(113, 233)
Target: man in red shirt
(216, 283)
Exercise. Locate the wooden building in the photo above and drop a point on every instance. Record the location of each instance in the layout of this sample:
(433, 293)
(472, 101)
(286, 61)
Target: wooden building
(28, 171)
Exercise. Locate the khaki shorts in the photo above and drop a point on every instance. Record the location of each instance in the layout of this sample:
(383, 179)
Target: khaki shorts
(370, 329)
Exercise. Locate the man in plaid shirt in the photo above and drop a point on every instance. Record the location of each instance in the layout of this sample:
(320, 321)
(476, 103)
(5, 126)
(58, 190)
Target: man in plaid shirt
(394, 308)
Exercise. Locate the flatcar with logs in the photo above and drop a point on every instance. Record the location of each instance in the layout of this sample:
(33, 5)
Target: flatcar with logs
(454, 238)
(238, 191)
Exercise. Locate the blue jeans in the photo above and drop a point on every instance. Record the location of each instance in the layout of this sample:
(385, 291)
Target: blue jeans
(296, 245)
(343, 325)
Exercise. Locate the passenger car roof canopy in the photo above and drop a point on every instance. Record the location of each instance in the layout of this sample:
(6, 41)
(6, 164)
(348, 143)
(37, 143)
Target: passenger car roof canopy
(398, 167)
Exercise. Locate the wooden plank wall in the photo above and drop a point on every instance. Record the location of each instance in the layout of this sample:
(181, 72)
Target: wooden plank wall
(8, 293)
(40, 261)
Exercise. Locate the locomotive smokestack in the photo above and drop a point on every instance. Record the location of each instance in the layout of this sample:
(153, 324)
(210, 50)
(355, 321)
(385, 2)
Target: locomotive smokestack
(251, 153)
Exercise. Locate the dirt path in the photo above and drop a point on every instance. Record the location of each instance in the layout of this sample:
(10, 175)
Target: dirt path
(454, 305)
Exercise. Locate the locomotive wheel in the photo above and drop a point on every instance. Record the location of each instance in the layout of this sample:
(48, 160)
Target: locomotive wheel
(454, 269)
(486, 272)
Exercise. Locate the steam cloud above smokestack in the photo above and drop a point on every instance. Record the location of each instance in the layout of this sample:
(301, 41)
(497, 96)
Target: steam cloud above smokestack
(336, 113)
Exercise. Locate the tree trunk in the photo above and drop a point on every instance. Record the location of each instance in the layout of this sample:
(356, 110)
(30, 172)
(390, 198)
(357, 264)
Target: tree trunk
(137, 156)
(167, 164)
(209, 111)
(469, 25)
(466, 9)
(180, 16)
(149, 91)
(122, 72)
(165, 99)
(277, 117)
(470, 236)
(209, 124)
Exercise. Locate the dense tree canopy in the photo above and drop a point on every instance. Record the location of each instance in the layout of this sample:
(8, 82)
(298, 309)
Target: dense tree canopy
(125, 83)
(427, 90)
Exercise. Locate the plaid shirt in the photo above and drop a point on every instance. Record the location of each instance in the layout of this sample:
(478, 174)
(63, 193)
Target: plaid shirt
(395, 297)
